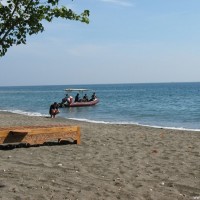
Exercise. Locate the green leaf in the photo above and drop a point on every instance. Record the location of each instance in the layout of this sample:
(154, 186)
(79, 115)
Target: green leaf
(21, 18)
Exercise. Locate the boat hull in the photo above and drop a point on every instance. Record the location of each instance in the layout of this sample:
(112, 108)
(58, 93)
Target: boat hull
(81, 104)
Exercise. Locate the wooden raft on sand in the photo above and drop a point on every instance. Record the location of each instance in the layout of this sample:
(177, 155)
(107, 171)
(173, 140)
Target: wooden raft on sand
(39, 134)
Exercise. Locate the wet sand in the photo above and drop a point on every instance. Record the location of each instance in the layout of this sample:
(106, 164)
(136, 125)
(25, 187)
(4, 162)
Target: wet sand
(113, 162)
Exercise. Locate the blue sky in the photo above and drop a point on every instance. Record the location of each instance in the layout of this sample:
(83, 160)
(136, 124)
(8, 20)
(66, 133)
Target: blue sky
(127, 41)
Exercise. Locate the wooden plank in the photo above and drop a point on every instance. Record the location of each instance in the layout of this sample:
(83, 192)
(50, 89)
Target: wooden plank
(39, 134)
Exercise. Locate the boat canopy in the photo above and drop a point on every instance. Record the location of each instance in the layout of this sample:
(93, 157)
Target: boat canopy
(79, 90)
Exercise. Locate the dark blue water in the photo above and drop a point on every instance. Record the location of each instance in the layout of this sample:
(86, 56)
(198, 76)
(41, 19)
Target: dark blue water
(175, 105)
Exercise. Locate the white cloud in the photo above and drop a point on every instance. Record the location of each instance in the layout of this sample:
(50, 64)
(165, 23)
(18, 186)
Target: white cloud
(119, 2)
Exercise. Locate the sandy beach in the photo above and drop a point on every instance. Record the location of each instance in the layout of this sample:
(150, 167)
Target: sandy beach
(113, 162)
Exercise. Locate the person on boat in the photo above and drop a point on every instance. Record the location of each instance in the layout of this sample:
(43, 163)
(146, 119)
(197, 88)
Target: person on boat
(53, 110)
(65, 98)
(77, 98)
(93, 97)
(85, 98)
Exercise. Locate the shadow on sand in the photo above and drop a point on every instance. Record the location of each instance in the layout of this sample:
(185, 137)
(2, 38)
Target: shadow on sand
(24, 145)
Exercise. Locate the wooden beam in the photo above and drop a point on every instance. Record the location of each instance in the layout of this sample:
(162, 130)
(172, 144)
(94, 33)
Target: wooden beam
(39, 134)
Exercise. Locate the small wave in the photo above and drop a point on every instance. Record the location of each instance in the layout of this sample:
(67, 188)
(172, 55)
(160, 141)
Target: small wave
(135, 123)
(91, 121)
(170, 128)
(103, 122)
(36, 114)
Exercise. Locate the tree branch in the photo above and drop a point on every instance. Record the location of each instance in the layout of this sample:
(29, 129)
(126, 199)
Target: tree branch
(10, 20)
(16, 21)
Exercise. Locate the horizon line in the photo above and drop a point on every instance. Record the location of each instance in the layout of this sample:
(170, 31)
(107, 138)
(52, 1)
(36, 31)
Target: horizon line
(170, 82)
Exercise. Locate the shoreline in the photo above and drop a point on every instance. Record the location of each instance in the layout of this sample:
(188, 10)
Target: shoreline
(102, 122)
(112, 162)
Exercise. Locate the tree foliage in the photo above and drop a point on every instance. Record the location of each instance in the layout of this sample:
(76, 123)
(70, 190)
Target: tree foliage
(19, 18)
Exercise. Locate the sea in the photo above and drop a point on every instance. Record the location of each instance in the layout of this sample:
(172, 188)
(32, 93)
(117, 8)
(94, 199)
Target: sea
(161, 105)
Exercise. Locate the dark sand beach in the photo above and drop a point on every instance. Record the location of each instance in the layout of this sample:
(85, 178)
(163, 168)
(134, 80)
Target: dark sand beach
(113, 162)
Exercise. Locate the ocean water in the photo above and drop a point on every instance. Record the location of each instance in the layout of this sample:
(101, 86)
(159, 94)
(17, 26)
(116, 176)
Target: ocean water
(168, 105)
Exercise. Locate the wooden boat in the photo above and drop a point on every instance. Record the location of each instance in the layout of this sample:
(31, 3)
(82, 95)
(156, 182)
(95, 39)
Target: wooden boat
(71, 103)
